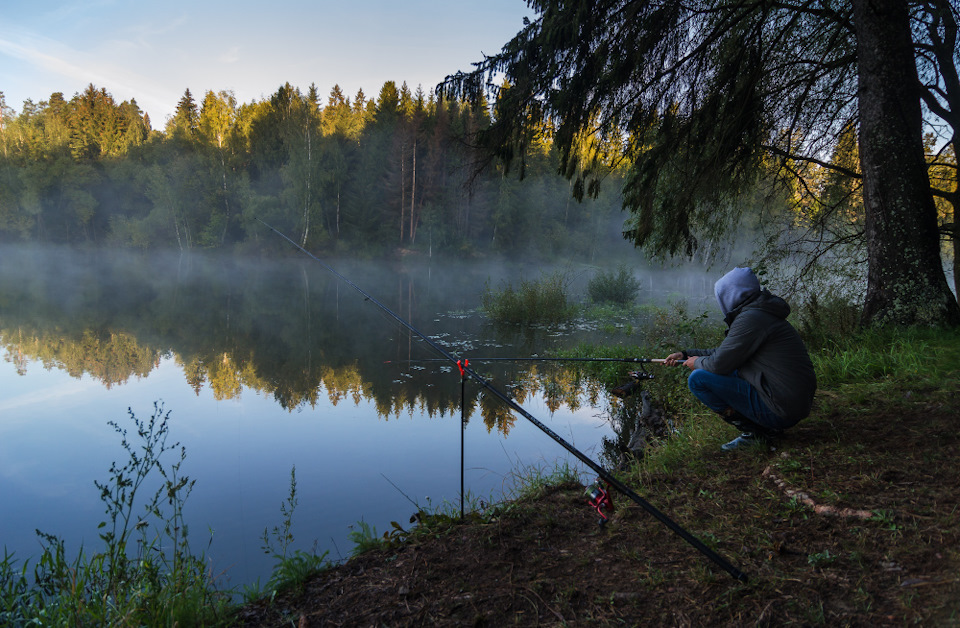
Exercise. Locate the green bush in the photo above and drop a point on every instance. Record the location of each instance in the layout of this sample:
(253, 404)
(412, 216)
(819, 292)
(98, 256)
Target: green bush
(620, 287)
(542, 301)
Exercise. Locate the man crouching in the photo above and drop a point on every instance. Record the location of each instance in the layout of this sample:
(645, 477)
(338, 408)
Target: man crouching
(760, 379)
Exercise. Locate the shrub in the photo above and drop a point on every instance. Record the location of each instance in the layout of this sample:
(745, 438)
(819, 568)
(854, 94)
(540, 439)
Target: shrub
(609, 287)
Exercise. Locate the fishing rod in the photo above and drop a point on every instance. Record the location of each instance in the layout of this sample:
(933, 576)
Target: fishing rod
(602, 473)
(623, 390)
(535, 359)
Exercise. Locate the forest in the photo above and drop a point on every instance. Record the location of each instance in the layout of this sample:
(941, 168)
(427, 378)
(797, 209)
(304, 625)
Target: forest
(351, 175)
(396, 174)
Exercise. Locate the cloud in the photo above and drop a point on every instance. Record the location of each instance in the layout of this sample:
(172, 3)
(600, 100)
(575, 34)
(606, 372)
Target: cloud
(50, 56)
(46, 397)
(47, 65)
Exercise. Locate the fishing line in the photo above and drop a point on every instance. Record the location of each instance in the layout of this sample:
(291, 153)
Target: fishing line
(600, 471)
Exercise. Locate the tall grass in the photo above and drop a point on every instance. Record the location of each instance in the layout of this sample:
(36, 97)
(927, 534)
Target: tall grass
(872, 355)
(543, 301)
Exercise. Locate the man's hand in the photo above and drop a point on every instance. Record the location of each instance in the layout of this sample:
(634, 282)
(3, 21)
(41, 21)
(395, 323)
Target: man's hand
(677, 358)
(673, 359)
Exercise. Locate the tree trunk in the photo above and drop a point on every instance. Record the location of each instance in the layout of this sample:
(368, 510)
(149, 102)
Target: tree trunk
(226, 196)
(905, 280)
(308, 137)
(403, 192)
(413, 191)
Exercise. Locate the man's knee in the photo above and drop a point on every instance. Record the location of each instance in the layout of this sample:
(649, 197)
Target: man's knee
(697, 380)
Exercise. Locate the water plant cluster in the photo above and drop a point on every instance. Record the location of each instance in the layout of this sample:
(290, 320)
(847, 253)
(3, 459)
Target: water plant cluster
(549, 300)
(540, 301)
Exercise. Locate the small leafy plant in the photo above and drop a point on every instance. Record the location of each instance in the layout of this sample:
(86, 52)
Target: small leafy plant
(292, 569)
(821, 559)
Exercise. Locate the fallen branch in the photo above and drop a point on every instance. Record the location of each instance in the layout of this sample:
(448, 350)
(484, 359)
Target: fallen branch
(820, 509)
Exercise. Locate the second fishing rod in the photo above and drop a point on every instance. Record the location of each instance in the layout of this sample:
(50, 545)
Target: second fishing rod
(602, 473)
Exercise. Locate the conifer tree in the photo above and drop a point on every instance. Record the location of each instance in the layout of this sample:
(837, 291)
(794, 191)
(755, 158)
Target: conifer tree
(184, 123)
(703, 95)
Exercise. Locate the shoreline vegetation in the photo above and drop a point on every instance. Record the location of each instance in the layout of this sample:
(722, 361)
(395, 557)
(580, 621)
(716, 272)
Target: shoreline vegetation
(850, 520)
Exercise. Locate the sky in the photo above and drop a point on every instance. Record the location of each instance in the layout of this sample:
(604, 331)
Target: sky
(153, 51)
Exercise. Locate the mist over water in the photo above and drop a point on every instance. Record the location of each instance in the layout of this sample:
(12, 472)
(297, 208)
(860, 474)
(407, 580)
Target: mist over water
(267, 364)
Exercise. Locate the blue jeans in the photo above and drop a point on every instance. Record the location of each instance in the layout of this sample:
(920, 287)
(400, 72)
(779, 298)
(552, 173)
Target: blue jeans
(719, 392)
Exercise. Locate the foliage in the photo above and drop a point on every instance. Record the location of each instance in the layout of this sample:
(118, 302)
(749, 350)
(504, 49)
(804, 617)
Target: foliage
(872, 355)
(527, 483)
(695, 90)
(609, 287)
(364, 538)
(357, 175)
(822, 321)
(146, 573)
(531, 481)
(532, 302)
(292, 569)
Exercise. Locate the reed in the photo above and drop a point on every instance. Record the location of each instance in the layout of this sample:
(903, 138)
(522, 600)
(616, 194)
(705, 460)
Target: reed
(543, 301)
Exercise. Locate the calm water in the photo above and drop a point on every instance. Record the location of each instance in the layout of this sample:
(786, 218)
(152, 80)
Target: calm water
(263, 366)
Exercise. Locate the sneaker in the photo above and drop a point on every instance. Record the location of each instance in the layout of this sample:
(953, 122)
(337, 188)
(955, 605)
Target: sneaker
(747, 426)
(744, 440)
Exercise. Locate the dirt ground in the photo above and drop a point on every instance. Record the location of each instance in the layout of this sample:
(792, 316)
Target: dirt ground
(851, 520)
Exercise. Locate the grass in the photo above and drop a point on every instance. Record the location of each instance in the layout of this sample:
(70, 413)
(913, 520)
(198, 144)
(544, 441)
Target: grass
(129, 581)
(543, 301)
(528, 483)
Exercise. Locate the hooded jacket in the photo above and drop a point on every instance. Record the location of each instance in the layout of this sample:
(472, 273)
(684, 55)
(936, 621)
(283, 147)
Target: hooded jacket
(762, 348)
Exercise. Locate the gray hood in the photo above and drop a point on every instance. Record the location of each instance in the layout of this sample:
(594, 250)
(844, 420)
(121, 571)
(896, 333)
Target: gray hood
(736, 288)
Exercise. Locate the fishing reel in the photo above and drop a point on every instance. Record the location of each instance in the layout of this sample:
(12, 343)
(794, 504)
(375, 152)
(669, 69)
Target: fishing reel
(598, 496)
(628, 388)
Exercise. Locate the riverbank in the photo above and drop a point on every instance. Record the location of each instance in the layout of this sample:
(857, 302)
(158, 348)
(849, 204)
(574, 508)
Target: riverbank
(851, 519)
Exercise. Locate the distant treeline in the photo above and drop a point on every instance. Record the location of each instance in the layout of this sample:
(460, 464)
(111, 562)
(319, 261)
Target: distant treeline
(351, 175)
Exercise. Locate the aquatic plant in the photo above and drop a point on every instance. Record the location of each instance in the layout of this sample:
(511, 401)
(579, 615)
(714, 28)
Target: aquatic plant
(542, 301)
(619, 287)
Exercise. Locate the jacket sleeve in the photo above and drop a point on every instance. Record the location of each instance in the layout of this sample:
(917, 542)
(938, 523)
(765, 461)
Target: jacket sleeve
(745, 336)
